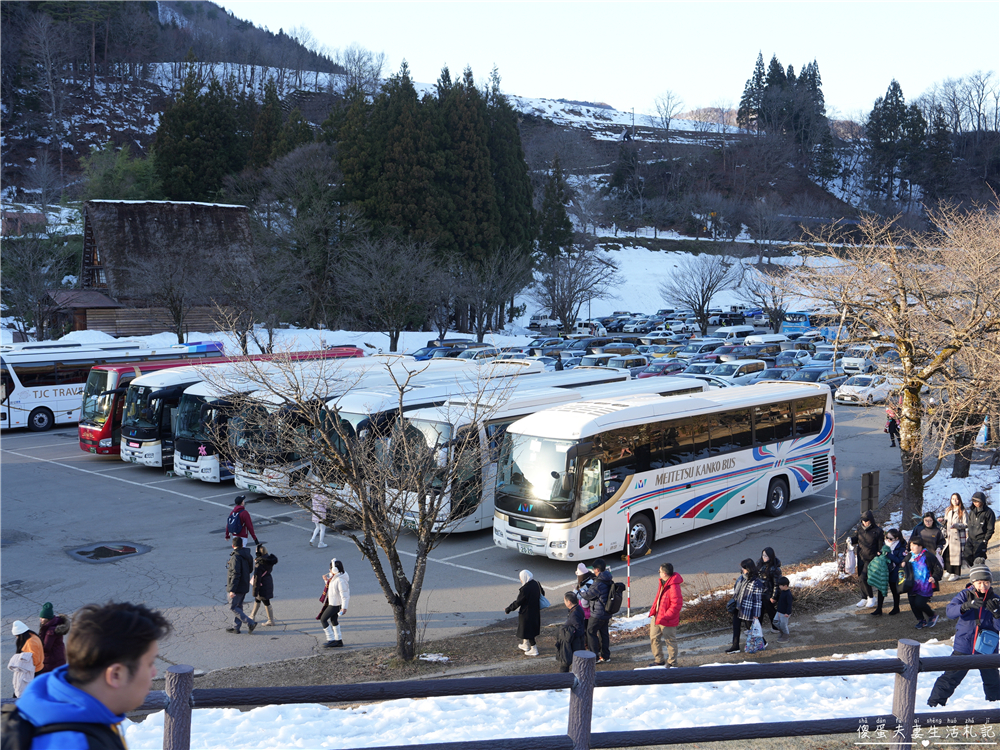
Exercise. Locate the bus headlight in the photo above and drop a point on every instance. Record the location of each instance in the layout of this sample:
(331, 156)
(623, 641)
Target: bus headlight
(206, 471)
(557, 545)
(105, 443)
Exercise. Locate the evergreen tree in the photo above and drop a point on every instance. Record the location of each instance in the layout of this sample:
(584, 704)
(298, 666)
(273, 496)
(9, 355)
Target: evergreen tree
(884, 131)
(939, 157)
(752, 101)
(773, 108)
(358, 152)
(111, 174)
(294, 133)
(555, 230)
(267, 128)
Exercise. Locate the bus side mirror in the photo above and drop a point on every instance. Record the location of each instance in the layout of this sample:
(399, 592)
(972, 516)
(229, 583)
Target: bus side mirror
(115, 392)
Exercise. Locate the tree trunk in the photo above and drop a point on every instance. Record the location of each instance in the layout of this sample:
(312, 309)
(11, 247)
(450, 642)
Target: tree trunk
(393, 340)
(965, 443)
(911, 454)
(406, 632)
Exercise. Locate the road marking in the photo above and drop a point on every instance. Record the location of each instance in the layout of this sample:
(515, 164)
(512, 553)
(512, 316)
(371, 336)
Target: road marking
(54, 445)
(161, 481)
(117, 468)
(473, 552)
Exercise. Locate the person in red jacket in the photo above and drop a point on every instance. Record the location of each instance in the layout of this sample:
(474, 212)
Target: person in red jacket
(238, 523)
(666, 615)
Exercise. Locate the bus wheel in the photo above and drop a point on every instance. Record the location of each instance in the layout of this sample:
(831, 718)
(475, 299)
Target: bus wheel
(640, 535)
(777, 497)
(40, 420)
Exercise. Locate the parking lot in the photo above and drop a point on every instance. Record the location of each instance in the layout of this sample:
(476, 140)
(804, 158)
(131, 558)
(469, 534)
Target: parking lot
(57, 499)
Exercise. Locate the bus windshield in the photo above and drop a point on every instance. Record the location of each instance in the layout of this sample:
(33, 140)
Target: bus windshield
(97, 408)
(140, 409)
(532, 476)
(195, 415)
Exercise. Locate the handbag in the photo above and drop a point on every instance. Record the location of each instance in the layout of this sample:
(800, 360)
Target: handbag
(543, 601)
(904, 577)
(986, 642)
(755, 639)
(850, 561)
(731, 605)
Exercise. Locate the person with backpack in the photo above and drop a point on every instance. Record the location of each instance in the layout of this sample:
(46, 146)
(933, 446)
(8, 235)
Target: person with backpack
(240, 569)
(263, 583)
(976, 611)
(571, 634)
(238, 524)
(665, 616)
(111, 652)
(601, 595)
(982, 523)
(920, 574)
(897, 552)
(529, 616)
(748, 597)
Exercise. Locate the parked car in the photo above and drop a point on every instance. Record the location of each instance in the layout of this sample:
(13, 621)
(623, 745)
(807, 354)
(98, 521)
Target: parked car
(701, 368)
(832, 376)
(570, 362)
(663, 350)
(822, 357)
(793, 358)
(711, 380)
(866, 389)
(446, 351)
(536, 346)
(766, 352)
(596, 360)
(726, 319)
(773, 373)
(662, 367)
(549, 363)
(543, 320)
(699, 346)
(584, 346)
(590, 328)
(870, 357)
(715, 355)
(481, 355)
(634, 363)
(740, 371)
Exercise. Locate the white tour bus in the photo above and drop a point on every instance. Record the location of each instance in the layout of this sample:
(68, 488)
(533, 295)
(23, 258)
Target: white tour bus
(575, 481)
(473, 498)
(41, 383)
(276, 470)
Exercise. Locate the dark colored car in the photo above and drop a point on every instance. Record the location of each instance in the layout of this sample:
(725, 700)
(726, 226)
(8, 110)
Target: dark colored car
(773, 373)
(579, 347)
(766, 352)
(833, 377)
(662, 367)
(715, 355)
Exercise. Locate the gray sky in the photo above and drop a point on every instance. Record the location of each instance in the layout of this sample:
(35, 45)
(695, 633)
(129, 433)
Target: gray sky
(625, 53)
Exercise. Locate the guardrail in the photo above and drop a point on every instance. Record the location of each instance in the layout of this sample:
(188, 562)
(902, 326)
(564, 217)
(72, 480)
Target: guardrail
(180, 698)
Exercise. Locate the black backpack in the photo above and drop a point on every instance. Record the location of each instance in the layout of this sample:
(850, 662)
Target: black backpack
(234, 524)
(613, 604)
(18, 733)
(904, 577)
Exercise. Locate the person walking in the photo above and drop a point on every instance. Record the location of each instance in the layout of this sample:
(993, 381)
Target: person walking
(319, 508)
(338, 596)
(878, 577)
(529, 616)
(975, 609)
(111, 650)
(51, 629)
(869, 541)
(263, 583)
(930, 533)
(982, 523)
(584, 579)
(240, 568)
(897, 552)
(783, 608)
(28, 641)
(748, 595)
(665, 616)
(955, 527)
(926, 572)
(598, 637)
(239, 523)
(570, 636)
(769, 570)
(892, 427)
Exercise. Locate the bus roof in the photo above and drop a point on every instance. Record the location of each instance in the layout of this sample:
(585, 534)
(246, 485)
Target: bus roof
(147, 366)
(23, 353)
(581, 419)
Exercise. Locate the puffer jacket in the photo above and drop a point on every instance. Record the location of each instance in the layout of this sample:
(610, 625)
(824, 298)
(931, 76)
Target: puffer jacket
(869, 541)
(878, 571)
(52, 633)
(339, 590)
(597, 595)
(263, 582)
(666, 610)
(981, 525)
(968, 621)
(239, 571)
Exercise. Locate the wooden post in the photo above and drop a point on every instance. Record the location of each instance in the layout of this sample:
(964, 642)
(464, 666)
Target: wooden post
(177, 721)
(904, 696)
(581, 699)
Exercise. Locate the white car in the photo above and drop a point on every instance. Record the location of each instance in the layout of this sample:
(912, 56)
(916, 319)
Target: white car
(865, 389)
(739, 371)
(681, 327)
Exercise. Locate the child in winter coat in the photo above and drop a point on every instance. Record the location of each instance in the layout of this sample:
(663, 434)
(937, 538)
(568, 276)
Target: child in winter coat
(783, 608)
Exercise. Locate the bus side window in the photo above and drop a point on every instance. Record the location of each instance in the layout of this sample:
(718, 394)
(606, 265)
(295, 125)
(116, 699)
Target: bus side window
(781, 418)
(73, 372)
(36, 375)
(721, 433)
(809, 414)
(742, 432)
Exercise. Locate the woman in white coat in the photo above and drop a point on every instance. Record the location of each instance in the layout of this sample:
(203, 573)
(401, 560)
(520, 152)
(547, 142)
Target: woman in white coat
(338, 595)
(956, 522)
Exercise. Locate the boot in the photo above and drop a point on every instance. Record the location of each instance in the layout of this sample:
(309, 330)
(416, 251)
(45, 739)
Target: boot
(337, 643)
(895, 606)
(734, 649)
(878, 609)
(523, 645)
(253, 613)
(270, 616)
(329, 636)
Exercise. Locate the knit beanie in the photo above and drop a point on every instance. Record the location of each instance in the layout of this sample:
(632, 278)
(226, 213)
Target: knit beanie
(980, 571)
(47, 612)
(18, 627)
(581, 569)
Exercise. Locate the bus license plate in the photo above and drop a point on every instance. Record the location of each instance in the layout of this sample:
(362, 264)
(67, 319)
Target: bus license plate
(525, 549)
(252, 487)
(133, 459)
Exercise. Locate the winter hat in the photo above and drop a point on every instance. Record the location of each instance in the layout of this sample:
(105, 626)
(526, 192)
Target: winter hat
(18, 628)
(581, 569)
(980, 496)
(46, 613)
(238, 500)
(980, 571)
(525, 576)
(868, 516)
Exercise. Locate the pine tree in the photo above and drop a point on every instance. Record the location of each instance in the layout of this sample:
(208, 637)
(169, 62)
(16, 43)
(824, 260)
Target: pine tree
(883, 132)
(267, 128)
(357, 151)
(773, 108)
(555, 230)
(752, 101)
(294, 133)
(511, 180)
(939, 157)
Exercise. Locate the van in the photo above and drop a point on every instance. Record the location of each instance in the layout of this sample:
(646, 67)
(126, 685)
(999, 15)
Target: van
(634, 363)
(733, 334)
(543, 320)
(765, 338)
(590, 328)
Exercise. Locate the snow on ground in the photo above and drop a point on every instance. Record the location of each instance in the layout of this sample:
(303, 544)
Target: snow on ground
(483, 717)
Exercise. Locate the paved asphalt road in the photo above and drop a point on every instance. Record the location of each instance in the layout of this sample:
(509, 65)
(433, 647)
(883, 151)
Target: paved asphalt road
(56, 498)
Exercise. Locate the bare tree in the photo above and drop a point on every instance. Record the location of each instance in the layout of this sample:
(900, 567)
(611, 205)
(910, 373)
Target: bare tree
(49, 44)
(33, 267)
(564, 283)
(384, 482)
(586, 205)
(767, 224)
(493, 280)
(667, 105)
(362, 68)
(388, 282)
(43, 180)
(928, 295)
(769, 289)
(697, 280)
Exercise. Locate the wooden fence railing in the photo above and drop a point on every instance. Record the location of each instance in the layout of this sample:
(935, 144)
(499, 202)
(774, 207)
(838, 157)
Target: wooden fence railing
(180, 698)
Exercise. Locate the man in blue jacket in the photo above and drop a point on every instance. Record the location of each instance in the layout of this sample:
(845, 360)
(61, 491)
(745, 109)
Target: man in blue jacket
(111, 650)
(975, 608)
(598, 637)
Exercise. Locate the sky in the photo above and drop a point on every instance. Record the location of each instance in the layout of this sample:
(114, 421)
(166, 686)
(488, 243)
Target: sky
(626, 53)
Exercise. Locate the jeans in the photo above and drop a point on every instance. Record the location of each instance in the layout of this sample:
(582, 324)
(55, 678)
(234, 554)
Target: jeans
(598, 637)
(949, 681)
(658, 635)
(236, 607)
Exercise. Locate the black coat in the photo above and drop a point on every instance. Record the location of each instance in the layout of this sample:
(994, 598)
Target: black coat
(769, 573)
(869, 542)
(569, 637)
(529, 619)
(932, 537)
(981, 525)
(240, 567)
(263, 583)
(597, 595)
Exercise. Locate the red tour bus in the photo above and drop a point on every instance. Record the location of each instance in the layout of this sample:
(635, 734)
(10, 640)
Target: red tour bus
(104, 394)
